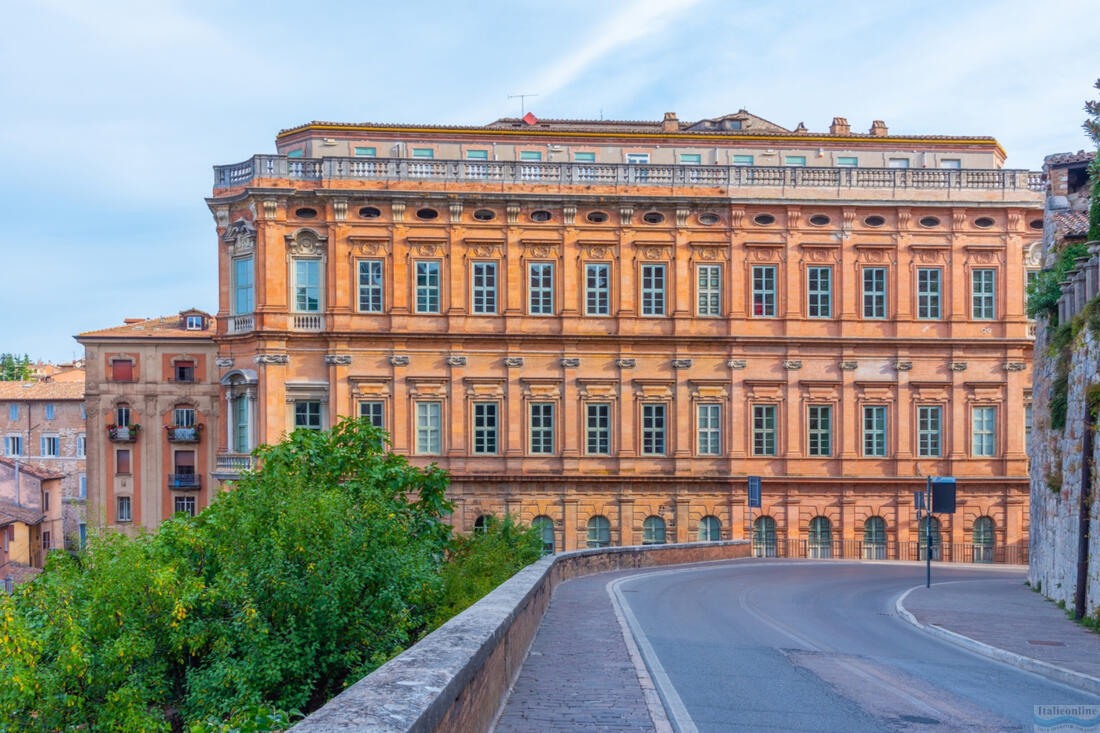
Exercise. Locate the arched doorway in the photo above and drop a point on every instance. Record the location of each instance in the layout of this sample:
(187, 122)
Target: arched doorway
(821, 537)
(763, 538)
(874, 539)
(545, 526)
(982, 539)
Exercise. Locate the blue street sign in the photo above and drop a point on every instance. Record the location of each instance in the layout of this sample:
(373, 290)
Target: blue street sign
(943, 495)
(754, 492)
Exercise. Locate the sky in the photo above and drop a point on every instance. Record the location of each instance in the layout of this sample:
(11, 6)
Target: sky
(113, 113)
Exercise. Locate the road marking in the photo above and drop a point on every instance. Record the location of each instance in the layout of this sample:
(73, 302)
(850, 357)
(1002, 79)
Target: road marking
(660, 680)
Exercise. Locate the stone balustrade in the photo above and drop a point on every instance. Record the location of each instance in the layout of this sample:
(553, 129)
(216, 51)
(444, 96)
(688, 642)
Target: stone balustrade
(457, 678)
(524, 173)
(1081, 285)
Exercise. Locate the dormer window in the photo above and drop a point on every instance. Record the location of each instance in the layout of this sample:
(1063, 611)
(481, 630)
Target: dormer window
(193, 323)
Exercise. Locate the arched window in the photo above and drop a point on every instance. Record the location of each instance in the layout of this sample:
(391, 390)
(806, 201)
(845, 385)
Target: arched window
(763, 537)
(821, 537)
(545, 526)
(983, 539)
(653, 531)
(874, 539)
(937, 540)
(599, 532)
(482, 523)
(710, 529)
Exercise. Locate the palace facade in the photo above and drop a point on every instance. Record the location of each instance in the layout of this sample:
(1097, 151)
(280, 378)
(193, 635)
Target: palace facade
(605, 327)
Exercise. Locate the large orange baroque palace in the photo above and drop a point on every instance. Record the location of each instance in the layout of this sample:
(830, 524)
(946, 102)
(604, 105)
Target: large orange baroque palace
(606, 326)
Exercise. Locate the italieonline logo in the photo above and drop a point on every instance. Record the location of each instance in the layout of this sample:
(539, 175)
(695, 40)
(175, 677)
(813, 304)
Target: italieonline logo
(1067, 718)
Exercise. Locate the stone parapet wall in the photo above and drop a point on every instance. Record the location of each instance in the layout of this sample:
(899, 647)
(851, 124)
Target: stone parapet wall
(1056, 467)
(457, 677)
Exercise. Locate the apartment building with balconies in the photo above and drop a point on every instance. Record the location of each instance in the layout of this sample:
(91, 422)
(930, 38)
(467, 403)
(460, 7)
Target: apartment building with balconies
(605, 327)
(152, 405)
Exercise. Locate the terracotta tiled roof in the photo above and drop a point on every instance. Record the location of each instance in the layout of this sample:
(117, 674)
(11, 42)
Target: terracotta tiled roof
(12, 512)
(651, 127)
(155, 328)
(18, 572)
(1071, 223)
(51, 390)
(38, 473)
(1081, 156)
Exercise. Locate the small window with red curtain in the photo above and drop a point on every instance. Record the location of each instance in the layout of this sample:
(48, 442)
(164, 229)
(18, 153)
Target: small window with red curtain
(122, 371)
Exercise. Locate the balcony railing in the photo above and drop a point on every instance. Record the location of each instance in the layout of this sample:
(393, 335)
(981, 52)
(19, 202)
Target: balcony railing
(241, 324)
(890, 550)
(620, 174)
(185, 481)
(233, 462)
(122, 433)
(307, 322)
(189, 434)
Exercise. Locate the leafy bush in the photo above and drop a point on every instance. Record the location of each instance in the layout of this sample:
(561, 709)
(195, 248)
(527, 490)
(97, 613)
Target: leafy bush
(1043, 293)
(483, 560)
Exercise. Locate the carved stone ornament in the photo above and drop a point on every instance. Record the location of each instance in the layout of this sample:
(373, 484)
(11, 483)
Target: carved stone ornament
(625, 363)
(373, 248)
(272, 359)
(456, 210)
(571, 362)
(1015, 366)
(958, 219)
(399, 360)
(792, 364)
(306, 242)
(681, 363)
(223, 362)
(682, 216)
(849, 366)
(710, 254)
(337, 359)
(627, 214)
(569, 214)
(456, 360)
(221, 216)
(340, 209)
(595, 251)
(655, 253)
(241, 237)
(511, 212)
(903, 366)
(1033, 254)
(737, 363)
(957, 366)
(271, 207)
(513, 361)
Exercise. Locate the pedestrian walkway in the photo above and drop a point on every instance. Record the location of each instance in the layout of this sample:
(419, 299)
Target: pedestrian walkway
(1008, 615)
(579, 675)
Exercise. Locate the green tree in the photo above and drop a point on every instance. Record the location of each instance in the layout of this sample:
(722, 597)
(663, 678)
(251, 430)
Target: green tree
(1092, 129)
(15, 368)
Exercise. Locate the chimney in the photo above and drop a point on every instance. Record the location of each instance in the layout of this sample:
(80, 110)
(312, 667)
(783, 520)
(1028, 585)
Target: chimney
(878, 129)
(670, 123)
(801, 127)
(840, 126)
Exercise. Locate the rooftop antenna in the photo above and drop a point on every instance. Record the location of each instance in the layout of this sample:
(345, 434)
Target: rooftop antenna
(522, 102)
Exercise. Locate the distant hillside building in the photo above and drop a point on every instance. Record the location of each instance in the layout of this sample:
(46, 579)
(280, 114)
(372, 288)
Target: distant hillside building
(604, 327)
(152, 397)
(31, 517)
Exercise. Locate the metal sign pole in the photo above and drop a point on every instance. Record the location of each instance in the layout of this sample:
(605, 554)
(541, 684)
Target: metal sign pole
(928, 535)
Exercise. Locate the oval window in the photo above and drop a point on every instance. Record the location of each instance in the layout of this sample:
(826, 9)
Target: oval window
(708, 219)
(540, 215)
(426, 213)
(929, 221)
(653, 217)
(983, 222)
(596, 217)
(305, 213)
(485, 215)
(764, 219)
(369, 212)
(1035, 223)
(819, 220)
(874, 221)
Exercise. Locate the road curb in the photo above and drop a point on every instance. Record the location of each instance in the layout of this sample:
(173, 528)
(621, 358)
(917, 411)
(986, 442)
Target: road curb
(1078, 680)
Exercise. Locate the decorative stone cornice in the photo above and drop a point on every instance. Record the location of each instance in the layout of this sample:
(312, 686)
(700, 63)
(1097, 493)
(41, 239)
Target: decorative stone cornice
(513, 361)
(456, 360)
(626, 363)
(223, 362)
(737, 363)
(272, 359)
(570, 362)
(682, 363)
(399, 360)
(337, 359)
(957, 366)
(903, 365)
(1015, 366)
(792, 364)
(849, 366)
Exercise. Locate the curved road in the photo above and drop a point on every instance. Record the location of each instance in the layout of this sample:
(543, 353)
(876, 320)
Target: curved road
(785, 645)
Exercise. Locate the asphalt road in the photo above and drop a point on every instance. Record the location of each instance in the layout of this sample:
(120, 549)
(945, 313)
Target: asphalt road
(776, 645)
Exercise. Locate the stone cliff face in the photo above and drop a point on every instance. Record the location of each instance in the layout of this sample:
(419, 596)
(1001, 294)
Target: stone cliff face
(1056, 468)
